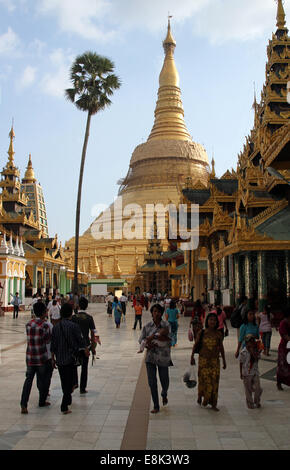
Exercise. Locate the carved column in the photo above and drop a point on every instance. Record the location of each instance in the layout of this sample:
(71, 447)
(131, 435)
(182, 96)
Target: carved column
(209, 275)
(231, 278)
(262, 280)
(248, 277)
(223, 273)
(237, 278)
(287, 269)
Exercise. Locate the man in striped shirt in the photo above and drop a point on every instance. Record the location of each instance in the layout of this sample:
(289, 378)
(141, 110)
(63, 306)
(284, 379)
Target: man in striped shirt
(66, 342)
(38, 336)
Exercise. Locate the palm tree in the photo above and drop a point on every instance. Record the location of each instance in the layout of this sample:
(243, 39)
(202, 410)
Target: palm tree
(93, 82)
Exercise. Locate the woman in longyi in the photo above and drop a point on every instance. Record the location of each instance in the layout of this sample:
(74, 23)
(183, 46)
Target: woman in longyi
(209, 344)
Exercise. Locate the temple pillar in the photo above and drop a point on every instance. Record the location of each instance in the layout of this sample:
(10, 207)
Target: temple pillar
(217, 282)
(226, 298)
(262, 281)
(231, 278)
(287, 269)
(248, 279)
(223, 274)
(210, 278)
(34, 280)
(238, 287)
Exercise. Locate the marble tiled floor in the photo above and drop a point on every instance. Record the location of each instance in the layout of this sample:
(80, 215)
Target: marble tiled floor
(99, 419)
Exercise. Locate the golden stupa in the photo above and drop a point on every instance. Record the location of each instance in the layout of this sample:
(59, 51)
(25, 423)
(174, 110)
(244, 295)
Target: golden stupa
(157, 168)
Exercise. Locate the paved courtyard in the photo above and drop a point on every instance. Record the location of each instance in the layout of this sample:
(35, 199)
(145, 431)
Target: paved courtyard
(115, 413)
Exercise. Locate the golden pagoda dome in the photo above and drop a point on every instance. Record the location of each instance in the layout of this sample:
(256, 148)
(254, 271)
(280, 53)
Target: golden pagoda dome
(157, 169)
(29, 176)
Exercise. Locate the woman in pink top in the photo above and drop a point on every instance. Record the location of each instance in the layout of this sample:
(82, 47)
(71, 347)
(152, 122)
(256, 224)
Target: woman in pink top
(265, 327)
(223, 328)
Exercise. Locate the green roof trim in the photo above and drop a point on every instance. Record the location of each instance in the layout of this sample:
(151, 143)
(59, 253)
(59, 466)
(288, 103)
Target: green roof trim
(182, 266)
(109, 282)
(202, 264)
(278, 226)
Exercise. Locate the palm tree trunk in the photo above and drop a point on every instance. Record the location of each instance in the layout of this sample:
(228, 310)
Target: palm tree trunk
(78, 209)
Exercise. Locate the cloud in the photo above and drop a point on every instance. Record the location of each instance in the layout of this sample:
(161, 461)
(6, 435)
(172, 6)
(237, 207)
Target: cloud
(9, 42)
(55, 82)
(9, 4)
(80, 17)
(28, 77)
(227, 20)
(217, 20)
(152, 14)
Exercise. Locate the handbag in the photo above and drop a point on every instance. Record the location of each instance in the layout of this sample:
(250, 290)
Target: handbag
(119, 308)
(198, 346)
(189, 377)
(190, 334)
(77, 356)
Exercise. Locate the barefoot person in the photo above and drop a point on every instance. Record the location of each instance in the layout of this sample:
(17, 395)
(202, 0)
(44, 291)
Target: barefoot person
(210, 344)
(249, 371)
(158, 354)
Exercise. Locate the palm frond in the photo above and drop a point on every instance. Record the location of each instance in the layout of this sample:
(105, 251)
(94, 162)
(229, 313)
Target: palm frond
(93, 81)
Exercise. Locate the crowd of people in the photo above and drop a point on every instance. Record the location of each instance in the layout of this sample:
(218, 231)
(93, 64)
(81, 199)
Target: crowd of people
(208, 328)
(62, 335)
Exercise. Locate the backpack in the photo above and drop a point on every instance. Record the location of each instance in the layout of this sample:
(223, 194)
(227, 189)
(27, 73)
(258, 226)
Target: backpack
(236, 318)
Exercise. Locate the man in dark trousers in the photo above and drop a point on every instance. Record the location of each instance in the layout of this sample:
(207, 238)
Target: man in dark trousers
(91, 337)
(38, 336)
(66, 342)
(158, 356)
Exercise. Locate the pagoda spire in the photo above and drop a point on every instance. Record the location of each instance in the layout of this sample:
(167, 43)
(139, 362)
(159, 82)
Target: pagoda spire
(11, 152)
(29, 176)
(281, 17)
(169, 114)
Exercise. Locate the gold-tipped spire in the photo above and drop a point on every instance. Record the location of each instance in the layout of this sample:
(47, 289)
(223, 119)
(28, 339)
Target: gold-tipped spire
(11, 152)
(281, 17)
(169, 41)
(212, 174)
(169, 114)
(29, 176)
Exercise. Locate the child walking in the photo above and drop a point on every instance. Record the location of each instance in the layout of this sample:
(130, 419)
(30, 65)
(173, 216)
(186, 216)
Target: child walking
(249, 357)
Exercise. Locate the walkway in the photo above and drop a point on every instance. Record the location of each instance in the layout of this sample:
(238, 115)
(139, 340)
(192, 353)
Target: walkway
(115, 413)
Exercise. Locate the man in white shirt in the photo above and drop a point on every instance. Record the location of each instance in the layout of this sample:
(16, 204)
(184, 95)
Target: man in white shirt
(123, 300)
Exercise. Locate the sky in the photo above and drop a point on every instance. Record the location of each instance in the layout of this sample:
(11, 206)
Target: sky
(220, 54)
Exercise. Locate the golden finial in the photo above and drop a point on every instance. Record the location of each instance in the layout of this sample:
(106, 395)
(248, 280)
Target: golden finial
(169, 75)
(11, 152)
(169, 40)
(281, 17)
(29, 176)
(169, 114)
(212, 175)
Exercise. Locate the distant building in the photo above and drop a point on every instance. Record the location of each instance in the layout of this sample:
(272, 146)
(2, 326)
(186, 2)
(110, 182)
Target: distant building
(34, 192)
(30, 261)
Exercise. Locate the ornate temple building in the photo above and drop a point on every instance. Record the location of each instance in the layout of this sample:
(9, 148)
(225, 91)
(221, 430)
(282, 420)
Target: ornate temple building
(162, 270)
(30, 261)
(156, 169)
(245, 214)
(33, 190)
